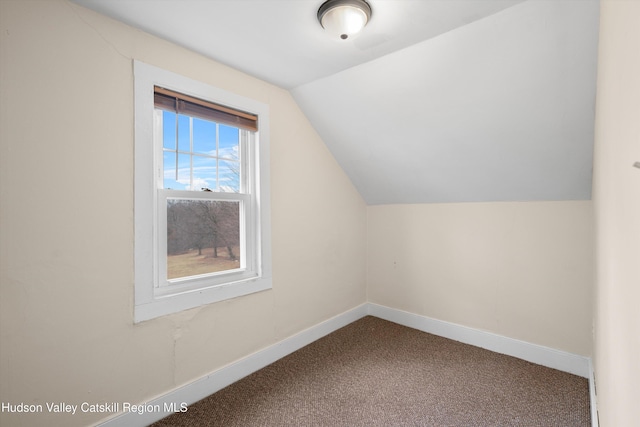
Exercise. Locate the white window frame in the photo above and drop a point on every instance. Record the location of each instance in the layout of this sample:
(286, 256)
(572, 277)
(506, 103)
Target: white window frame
(153, 298)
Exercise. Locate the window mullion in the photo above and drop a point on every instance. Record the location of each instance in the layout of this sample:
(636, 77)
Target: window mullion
(177, 135)
(217, 157)
(191, 153)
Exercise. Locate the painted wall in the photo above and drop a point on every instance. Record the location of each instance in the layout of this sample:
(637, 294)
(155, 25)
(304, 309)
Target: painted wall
(617, 215)
(518, 269)
(67, 222)
(523, 270)
(511, 95)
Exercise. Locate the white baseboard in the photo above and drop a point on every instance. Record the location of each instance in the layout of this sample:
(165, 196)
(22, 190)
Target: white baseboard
(545, 356)
(203, 387)
(223, 377)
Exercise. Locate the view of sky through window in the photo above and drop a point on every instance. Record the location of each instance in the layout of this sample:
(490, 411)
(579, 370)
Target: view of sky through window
(200, 154)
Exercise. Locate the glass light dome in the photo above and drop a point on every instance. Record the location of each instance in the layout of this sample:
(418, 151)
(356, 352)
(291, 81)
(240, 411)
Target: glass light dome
(344, 18)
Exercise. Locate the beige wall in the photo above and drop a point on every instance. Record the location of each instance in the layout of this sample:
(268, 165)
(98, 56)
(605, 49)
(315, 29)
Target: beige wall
(67, 222)
(522, 270)
(617, 215)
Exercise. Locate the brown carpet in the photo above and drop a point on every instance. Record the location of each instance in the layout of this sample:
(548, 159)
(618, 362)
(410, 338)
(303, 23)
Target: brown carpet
(377, 373)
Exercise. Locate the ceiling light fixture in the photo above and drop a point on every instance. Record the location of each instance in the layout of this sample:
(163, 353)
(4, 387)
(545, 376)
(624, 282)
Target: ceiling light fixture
(344, 17)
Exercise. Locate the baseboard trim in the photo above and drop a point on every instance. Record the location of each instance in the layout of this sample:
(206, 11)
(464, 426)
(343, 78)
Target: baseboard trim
(217, 380)
(545, 356)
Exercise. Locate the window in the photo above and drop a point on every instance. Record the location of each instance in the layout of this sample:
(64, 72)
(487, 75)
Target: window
(201, 194)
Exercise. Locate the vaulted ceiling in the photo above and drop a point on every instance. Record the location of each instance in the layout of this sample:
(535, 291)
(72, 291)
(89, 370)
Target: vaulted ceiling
(435, 101)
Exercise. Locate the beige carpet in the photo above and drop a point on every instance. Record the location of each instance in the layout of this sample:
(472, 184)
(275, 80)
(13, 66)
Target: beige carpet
(377, 373)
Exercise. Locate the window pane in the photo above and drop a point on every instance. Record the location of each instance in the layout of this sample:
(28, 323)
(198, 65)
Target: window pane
(169, 130)
(204, 173)
(229, 176)
(184, 172)
(204, 137)
(183, 179)
(203, 236)
(184, 133)
(229, 142)
(169, 162)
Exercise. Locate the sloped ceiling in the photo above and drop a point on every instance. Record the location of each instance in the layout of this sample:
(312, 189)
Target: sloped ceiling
(436, 101)
(500, 109)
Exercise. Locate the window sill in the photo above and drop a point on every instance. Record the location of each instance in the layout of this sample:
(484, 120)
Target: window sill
(176, 302)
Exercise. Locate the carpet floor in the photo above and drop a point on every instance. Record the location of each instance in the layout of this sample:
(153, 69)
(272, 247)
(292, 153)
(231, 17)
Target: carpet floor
(378, 373)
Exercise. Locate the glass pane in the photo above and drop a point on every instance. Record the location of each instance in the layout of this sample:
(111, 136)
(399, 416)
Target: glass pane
(184, 172)
(204, 173)
(184, 133)
(169, 166)
(229, 176)
(229, 142)
(203, 236)
(169, 130)
(204, 137)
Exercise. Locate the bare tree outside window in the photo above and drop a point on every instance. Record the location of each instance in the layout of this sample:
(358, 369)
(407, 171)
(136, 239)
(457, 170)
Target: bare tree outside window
(203, 236)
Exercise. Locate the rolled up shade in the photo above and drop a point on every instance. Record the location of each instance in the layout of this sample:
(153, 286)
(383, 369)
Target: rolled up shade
(184, 104)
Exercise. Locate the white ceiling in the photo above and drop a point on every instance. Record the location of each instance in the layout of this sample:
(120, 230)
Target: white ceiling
(435, 101)
(281, 41)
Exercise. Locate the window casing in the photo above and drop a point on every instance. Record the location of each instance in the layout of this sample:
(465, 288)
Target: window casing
(201, 193)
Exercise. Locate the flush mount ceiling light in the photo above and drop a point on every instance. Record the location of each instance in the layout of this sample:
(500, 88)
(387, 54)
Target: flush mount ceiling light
(344, 17)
